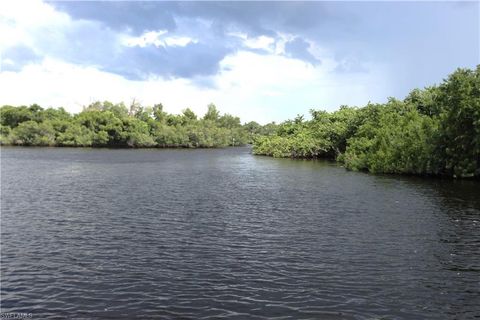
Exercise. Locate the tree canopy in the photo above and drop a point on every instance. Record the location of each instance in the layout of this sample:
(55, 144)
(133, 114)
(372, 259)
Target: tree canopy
(105, 124)
(434, 131)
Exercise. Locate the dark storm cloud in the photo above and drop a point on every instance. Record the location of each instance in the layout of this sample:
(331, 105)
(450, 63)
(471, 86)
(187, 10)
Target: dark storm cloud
(214, 42)
(256, 18)
(259, 18)
(425, 39)
(194, 59)
(298, 49)
(119, 15)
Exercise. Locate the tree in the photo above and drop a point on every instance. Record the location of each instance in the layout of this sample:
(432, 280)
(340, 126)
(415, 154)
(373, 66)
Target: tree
(135, 107)
(459, 136)
(12, 116)
(158, 112)
(136, 133)
(229, 121)
(189, 115)
(212, 113)
(102, 123)
(434, 131)
(76, 136)
(31, 133)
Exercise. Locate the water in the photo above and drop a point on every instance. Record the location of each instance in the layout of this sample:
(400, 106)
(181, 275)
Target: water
(197, 234)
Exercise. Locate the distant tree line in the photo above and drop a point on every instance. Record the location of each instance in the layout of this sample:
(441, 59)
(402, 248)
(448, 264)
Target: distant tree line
(434, 131)
(104, 124)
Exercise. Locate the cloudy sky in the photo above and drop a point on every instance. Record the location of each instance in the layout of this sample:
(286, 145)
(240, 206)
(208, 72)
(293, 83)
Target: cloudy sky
(262, 61)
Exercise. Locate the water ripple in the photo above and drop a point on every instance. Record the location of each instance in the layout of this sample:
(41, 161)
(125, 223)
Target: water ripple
(206, 234)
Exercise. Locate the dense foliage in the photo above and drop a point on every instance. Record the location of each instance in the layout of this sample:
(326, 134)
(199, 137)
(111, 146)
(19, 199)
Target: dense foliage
(435, 131)
(114, 125)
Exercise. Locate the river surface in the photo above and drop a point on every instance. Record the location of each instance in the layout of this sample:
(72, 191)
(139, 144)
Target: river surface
(210, 234)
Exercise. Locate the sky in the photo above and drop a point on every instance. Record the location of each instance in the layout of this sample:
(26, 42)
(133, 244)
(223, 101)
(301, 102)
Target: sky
(261, 61)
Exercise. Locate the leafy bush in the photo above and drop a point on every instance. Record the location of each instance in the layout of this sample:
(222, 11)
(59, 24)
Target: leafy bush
(104, 124)
(435, 131)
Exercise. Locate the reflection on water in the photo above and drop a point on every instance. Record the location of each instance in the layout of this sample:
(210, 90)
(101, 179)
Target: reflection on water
(121, 234)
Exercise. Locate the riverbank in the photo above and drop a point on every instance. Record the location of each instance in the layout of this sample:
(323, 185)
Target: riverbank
(435, 131)
(432, 132)
(115, 126)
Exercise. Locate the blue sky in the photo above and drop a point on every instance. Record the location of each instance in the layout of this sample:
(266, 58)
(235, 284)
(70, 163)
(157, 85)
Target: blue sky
(263, 61)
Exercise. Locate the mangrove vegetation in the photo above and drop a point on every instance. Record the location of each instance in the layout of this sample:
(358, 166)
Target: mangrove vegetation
(104, 124)
(434, 131)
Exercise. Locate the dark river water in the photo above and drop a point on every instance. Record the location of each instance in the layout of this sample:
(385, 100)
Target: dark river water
(209, 234)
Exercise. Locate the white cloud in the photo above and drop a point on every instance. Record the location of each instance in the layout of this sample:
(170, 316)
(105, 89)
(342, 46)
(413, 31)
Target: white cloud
(254, 86)
(256, 70)
(56, 83)
(8, 62)
(20, 21)
(272, 87)
(280, 43)
(178, 41)
(261, 42)
(148, 38)
(260, 87)
(156, 38)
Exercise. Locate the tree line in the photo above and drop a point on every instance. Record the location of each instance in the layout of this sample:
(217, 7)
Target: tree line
(104, 124)
(434, 131)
